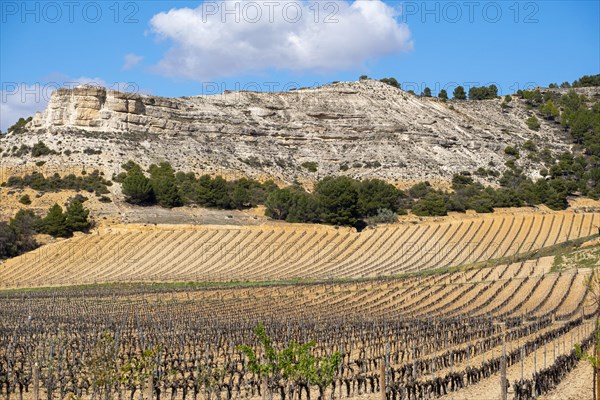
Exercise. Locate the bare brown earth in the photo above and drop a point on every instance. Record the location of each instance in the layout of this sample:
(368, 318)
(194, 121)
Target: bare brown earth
(147, 252)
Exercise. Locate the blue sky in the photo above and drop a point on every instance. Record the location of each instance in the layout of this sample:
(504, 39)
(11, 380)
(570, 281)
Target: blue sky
(184, 48)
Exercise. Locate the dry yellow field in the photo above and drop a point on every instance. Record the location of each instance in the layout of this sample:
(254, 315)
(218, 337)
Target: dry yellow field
(124, 253)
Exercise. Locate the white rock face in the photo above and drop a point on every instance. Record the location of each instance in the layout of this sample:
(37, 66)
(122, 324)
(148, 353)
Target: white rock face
(364, 128)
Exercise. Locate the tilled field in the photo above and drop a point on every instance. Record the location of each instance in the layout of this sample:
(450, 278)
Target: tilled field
(136, 253)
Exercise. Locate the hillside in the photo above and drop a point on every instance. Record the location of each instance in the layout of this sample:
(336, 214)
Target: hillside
(124, 253)
(360, 129)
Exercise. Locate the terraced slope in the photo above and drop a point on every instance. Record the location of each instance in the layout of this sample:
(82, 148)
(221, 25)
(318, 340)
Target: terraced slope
(277, 252)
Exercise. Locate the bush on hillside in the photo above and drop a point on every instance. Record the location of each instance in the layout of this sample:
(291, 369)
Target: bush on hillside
(40, 149)
(533, 123)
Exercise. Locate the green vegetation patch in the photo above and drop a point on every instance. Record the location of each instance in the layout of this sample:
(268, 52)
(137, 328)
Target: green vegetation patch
(91, 182)
(588, 257)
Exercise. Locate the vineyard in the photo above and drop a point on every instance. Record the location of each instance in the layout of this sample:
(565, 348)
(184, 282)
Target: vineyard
(130, 253)
(417, 337)
(303, 312)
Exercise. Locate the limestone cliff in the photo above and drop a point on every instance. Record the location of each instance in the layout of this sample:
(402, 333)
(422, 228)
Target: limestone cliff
(364, 128)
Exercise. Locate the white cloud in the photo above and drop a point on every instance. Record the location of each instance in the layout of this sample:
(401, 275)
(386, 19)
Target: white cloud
(131, 60)
(225, 38)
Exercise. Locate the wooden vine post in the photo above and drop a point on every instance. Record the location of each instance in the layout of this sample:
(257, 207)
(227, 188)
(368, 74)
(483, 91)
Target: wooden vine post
(597, 348)
(503, 388)
(265, 387)
(36, 382)
(382, 379)
(149, 388)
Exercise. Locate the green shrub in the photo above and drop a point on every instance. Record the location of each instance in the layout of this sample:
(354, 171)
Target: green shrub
(8, 241)
(90, 151)
(462, 179)
(252, 161)
(19, 126)
(481, 204)
(391, 81)
(511, 151)
(531, 97)
(384, 216)
(25, 223)
(310, 166)
(21, 151)
(37, 181)
(25, 199)
(375, 194)
(338, 198)
(16, 237)
(533, 123)
(431, 205)
(372, 164)
(530, 146)
(40, 149)
(164, 185)
(292, 204)
(587, 81)
(420, 190)
(279, 203)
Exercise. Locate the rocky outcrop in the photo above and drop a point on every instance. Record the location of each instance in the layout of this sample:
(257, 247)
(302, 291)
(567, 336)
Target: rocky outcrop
(96, 108)
(364, 128)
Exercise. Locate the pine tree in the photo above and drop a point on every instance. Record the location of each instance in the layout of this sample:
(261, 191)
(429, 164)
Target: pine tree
(164, 185)
(431, 205)
(279, 203)
(549, 110)
(459, 93)
(219, 193)
(8, 241)
(443, 94)
(55, 222)
(338, 197)
(166, 191)
(240, 198)
(77, 217)
(137, 188)
(427, 92)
